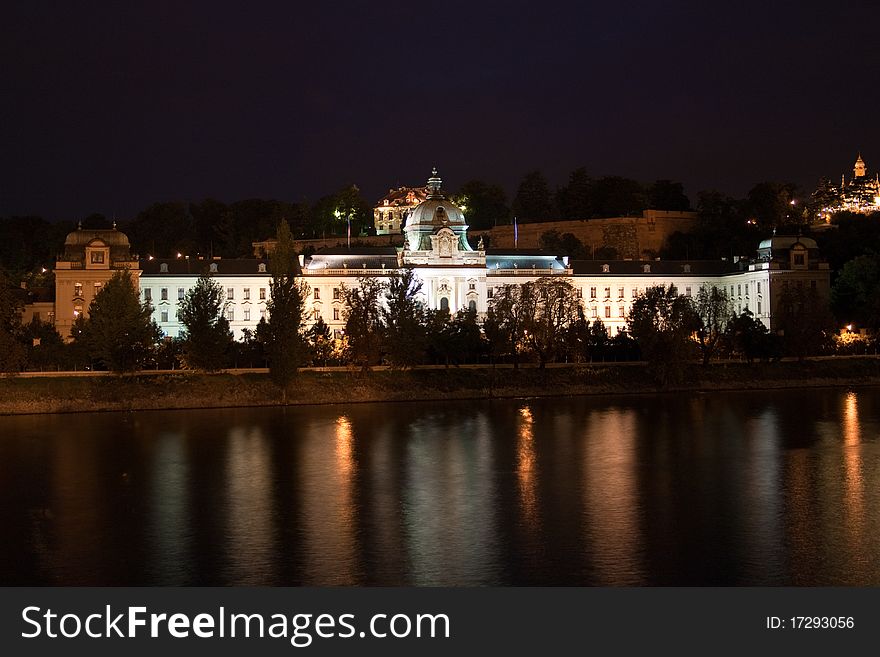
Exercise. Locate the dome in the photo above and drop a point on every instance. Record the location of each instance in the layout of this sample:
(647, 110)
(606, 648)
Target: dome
(435, 213)
(84, 236)
(432, 215)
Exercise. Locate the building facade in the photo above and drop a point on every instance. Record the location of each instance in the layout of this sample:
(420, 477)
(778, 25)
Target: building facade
(860, 194)
(454, 274)
(389, 215)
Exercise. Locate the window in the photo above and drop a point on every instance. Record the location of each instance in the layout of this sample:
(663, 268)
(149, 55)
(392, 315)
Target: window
(164, 294)
(759, 307)
(813, 285)
(77, 311)
(213, 268)
(472, 305)
(261, 267)
(247, 314)
(580, 293)
(607, 292)
(607, 311)
(230, 292)
(606, 269)
(164, 317)
(472, 286)
(247, 293)
(739, 290)
(262, 313)
(262, 294)
(148, 294)
(646, 269)
(633, 293)
(163, 268)
(77, 289)
(230, 314)
(759, 287)
(336, 314)
(337, 334)
(687, 269)
(316, 314)
(97, 257)
(97, 288)
(621, 312)
(798, 258)
(317, 293)
(180, 293)
(687, 291)
(592, 293)
(620, 292)
(490, 292)
(336, 294)
(594, 312)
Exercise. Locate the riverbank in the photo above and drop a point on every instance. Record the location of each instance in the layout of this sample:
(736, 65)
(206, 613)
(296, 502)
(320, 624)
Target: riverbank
(182, 390)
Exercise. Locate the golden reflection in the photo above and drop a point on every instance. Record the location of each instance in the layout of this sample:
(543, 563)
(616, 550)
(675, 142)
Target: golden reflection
(611, 497)
(852, 463)
(329, 513)
(252, 546)
(526, 469)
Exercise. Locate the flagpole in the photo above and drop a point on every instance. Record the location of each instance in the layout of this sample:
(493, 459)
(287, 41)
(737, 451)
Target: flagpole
(515, 234)
(349, 231)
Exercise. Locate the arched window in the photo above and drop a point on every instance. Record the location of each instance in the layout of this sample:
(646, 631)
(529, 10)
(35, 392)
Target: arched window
(444, 303)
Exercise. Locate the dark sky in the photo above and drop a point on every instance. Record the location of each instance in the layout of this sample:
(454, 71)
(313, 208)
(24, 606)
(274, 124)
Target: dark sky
(106, 108)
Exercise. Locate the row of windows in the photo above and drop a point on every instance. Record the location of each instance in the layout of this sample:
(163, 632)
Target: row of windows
(230, 315)
(181, 293)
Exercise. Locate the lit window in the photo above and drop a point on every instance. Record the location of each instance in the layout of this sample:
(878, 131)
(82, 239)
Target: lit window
(262, 294)
(97, 257)
(77, 289)
(97, 288)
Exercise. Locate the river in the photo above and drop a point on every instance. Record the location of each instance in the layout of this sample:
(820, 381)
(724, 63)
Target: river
(726, 488)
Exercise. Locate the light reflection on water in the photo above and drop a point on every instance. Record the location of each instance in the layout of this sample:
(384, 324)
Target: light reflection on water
(753, 488)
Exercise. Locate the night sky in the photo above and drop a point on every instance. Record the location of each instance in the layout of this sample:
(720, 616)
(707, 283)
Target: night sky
(107, 108)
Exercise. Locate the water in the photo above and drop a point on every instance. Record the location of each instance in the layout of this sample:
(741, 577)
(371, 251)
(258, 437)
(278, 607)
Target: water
(753, 488)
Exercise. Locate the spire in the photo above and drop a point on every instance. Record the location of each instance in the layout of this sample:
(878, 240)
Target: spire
(859, 167)
(434, 183)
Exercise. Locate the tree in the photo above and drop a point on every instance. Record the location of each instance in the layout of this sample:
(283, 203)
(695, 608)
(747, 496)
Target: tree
(562, 244)
(575, 200)
(532, 201)
(614, 196)
(855, 297)
(45, 346)
(770, 203)
(403, 318)
(668, 195)
(120, 333)
(207, 339)
(285, 308)
(484, 205)
(713, 310)
(662, 322)
(749, 338)
(12, 351)
(363, 322)
(549, 307)
(505, 323)
(320, 342)
(805, 321)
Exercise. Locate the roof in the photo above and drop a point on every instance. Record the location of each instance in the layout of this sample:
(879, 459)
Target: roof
(663, 267)
(183, 266)
(399, 196)
(357, 251)
(787, 241)
(523, 260)
(110, 237)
